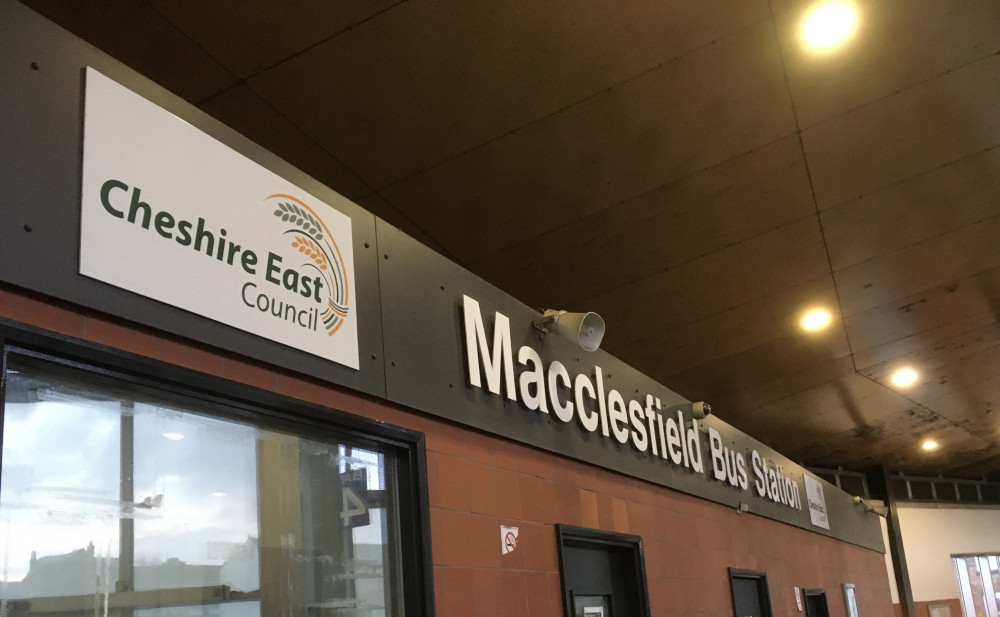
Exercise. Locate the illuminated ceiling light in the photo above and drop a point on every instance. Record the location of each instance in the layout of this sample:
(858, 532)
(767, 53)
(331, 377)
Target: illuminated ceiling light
(904, 377)
(219, 494)
(929, 445)
(829, 24)
(173, 436)
(816, 320)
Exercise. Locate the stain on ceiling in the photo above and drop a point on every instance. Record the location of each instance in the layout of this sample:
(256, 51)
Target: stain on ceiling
(690, 170)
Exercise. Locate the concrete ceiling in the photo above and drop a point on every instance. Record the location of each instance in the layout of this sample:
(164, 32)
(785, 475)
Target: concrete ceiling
(687, 169)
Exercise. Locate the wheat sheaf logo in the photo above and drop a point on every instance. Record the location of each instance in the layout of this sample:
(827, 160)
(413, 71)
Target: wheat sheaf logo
(309, 235)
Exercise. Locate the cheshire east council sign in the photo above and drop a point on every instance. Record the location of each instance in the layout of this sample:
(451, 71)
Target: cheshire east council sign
(170, 213)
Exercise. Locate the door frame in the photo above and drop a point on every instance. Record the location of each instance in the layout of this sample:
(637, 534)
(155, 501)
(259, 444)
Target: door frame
(816, 593)
(569, 533)
(763, 591)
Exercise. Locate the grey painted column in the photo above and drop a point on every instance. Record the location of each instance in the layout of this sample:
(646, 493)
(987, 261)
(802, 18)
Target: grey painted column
(880, 488)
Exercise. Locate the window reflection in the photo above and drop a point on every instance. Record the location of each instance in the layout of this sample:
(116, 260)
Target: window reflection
(121, 503)
(978, 579)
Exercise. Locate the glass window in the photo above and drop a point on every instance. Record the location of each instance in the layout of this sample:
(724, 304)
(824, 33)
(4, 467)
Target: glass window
(120, 499)
(978, 579)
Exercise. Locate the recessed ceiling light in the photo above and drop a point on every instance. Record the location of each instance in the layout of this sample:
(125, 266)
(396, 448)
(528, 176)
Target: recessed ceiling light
(219, 494)
(829, 24)
(815, 320)
(174, 436)
(904, 377)
(929, 445)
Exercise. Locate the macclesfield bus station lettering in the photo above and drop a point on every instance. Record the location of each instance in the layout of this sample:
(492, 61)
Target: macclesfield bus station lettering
(636, 422)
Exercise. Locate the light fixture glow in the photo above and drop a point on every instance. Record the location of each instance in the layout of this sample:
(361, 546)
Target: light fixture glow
(219, 494)
(815, 320)
(904, 377)
(173, 436)
(929, 445)
(829, 24)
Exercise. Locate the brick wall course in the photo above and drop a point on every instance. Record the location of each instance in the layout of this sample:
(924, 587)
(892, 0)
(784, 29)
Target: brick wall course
(477, 482)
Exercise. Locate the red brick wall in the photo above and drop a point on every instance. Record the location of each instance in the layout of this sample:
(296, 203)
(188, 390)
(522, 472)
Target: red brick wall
(478, 482)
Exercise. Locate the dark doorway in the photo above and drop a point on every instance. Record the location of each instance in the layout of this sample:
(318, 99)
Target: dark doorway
(816, 603)
(750, 595)
(603, 573)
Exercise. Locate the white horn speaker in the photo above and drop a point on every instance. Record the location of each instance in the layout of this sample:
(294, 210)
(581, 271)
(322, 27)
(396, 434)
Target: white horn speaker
(587, 329)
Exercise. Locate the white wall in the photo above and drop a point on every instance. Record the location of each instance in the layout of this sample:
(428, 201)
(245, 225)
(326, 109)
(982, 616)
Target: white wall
(932, 534)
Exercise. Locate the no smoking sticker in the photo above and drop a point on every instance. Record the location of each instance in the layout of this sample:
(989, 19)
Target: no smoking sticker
(508, 539)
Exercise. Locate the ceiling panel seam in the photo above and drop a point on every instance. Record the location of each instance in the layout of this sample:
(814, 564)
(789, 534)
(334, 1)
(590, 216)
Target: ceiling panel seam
(288, 58)
(902, 89)
(606, 290)
(925, 238)
(756, 386)
(645, 193)
(910, 178)
(205, 51)
(567, 107)
(245, 82)
(812, 190)
(914, 333)
(966, 274)
(936, 413)
(875, 368)
(737, 391)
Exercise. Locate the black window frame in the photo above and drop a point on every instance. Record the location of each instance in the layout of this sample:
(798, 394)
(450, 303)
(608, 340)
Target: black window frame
(763, 588)
(264, 408)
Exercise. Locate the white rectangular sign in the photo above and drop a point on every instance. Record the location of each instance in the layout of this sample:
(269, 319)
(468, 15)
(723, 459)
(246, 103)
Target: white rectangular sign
(172, 214)
(817, 503)
(508, 539)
